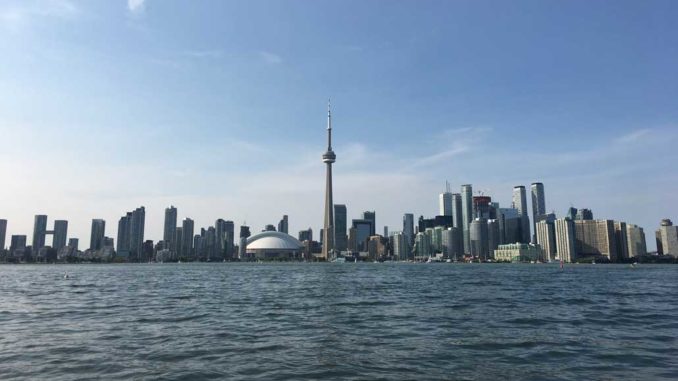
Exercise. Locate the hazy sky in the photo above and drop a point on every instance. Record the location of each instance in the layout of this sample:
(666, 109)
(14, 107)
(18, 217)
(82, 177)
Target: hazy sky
(219, 108)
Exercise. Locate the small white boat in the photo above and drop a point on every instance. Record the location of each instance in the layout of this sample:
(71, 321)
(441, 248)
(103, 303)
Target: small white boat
(339, 260)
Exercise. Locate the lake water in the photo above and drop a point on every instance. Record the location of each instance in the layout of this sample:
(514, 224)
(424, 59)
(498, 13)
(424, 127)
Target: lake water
(339, 321)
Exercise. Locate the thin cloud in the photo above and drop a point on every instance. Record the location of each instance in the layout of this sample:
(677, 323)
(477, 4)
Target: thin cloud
(17, 17)
(634, 136)
(270, 58)
(439, 157)
(136, 6)
(206, 54)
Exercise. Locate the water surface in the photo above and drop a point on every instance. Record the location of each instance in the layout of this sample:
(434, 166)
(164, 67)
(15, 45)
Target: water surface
(338, 321)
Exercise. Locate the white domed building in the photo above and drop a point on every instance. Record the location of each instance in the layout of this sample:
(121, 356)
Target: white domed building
(272, 245)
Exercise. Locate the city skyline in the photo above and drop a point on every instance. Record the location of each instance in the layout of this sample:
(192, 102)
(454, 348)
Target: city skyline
(160, 119)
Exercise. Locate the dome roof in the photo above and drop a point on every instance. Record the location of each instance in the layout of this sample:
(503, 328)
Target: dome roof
(273, 241)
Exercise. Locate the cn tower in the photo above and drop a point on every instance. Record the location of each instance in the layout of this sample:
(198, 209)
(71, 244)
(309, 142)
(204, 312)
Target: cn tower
(328, 158)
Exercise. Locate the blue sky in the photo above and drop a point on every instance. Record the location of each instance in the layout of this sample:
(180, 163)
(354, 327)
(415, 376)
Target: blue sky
(218, 107)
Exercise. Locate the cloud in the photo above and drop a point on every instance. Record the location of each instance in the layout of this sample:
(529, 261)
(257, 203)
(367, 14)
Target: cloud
(634, 136)
(202, 54)
(270, 58)
(438, 157)
(19, 16)
(136, 6)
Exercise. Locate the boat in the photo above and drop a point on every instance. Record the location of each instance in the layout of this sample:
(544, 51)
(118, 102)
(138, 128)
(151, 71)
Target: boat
(339, 260)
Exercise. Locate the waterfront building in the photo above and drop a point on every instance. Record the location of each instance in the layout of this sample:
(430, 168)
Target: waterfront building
(408, 229)
(399, 246)
(621, 240)
(60, 234)
(220, 242)
(457, 215)
(372, 217)
(283, 225)
(3, 233)
(518, 252)
(479, 239)
(636, 241)
(492, 237)
(565, 240)
(445, 202)
(39, 231)
(269, 228)
(668, 234)
(179, 238)
(658, 241)
(466, 214)
(98, 231)
(328, 228)
(363, 228)
(595, 238)
(187, 228)
(422, 246)
(436, 238)
(73, 243)
(453, 243)
(273, 245)
(131, 228)
(170, 227)
(375, 247)
(17, 246)
(306, 235)
(520, 203)
(538, 205)
(340, 227)
(546, 238)
(123, 235)
(510, 225)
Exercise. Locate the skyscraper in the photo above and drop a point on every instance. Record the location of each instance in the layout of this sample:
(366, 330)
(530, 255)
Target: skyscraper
(595, 238)
(545, 231)
(445, 202)
(328, 227)
(538, 205)
(179, 239)
(668, 236)
(621, 240)
(39, 232)
(96, 238)
(457, 211)
(565, 240)
(466, 214)
(130, 239)
(244, 234)
(372, 217)
(283, 225)
(520, 203)
(363, 233)
(636, 240)
(3, 234)
(478, 238)
(122, 241)
(408, 229)
(584, 215)
(169, 232)
(340, 226)
(60, 234)
(187, 238)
